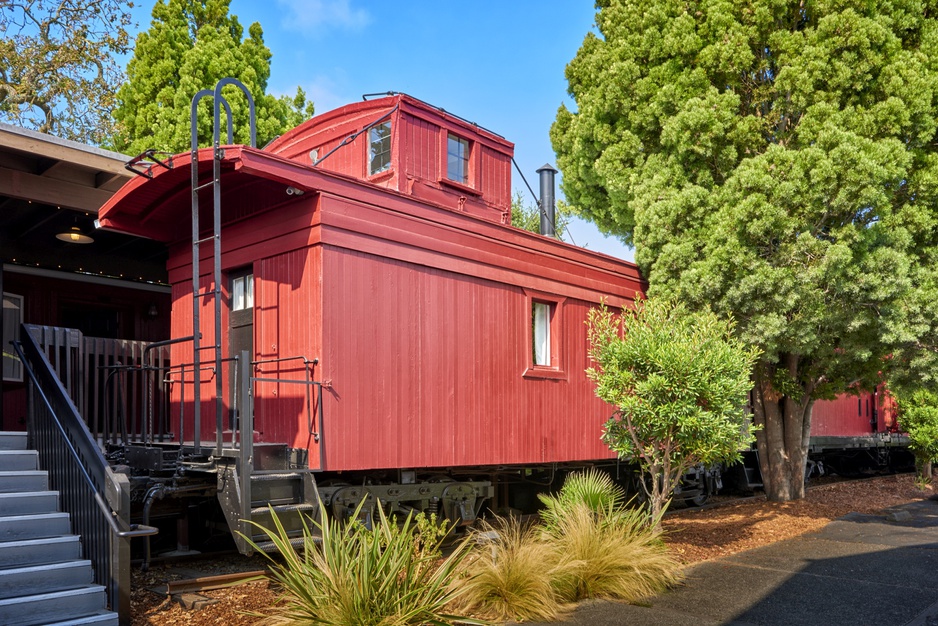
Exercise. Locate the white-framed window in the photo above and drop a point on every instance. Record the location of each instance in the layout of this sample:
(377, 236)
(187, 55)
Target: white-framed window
(379, 150)
(540, 315)
(242, 292)
(457, 159)
(12, 318)
(544, 315)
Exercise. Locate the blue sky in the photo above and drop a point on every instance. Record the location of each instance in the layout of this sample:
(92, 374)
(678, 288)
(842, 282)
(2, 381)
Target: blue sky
(499, 64)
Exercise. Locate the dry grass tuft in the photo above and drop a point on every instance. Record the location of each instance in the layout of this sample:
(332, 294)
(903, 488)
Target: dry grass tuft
(612, 556)
(511, 573)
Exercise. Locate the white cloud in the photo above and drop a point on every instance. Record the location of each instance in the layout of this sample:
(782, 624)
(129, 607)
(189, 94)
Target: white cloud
(311, 17)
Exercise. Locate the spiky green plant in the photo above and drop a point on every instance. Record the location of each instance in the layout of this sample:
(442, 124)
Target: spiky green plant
(359, 576)
(511, 573)
(593, 488)
(611, 553)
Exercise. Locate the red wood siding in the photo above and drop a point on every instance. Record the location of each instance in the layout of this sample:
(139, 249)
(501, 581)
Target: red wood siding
(495, 177)
(845, 416)
(287, 314)
(419, 315)
(181, 355)
(427, 370)
(420, 141)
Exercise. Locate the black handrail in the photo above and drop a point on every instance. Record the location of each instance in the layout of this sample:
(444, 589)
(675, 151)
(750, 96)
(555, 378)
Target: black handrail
(78, 470)
(136, 530)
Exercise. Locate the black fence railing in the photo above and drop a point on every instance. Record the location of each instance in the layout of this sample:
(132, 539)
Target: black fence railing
(96, 498)
(116, 384)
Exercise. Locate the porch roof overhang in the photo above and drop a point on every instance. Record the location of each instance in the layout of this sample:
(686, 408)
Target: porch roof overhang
(158, 203)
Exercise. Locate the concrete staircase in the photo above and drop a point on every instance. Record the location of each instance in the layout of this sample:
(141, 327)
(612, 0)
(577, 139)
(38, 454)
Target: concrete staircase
(43, 579)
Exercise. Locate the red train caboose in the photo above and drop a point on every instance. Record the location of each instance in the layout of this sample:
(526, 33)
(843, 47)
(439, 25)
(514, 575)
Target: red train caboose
(401, 333)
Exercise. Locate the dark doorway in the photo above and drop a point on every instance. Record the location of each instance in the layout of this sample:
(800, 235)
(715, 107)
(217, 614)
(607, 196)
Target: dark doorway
(93, 320)
(240, 332)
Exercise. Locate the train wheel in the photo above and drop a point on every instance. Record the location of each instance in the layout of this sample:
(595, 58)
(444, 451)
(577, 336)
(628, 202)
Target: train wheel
(699, 500)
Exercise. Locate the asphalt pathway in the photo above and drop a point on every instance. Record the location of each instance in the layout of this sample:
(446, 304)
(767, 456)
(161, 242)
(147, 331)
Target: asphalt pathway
(860, 570)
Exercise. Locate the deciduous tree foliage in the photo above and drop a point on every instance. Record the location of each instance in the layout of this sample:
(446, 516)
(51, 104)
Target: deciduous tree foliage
(776, 161)
(57, 68)
(918, 416)
(190, 46)
(679, 380)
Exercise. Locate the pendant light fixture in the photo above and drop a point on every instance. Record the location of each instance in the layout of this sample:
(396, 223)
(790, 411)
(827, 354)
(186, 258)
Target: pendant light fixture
(74, 235)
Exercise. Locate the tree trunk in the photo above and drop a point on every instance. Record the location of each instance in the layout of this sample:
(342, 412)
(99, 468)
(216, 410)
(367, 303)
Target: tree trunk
(783, 440)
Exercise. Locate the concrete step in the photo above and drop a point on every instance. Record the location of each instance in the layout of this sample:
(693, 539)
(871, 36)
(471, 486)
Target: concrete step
(47, 578)
(29, 502)
(20, 527)
(23, 481)
(39, 551)
(19, 460)
(50, 608)
(12, 440)
(104, 618)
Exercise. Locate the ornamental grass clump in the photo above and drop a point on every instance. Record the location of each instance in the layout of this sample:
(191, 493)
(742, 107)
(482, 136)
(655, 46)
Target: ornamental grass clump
(614, 554)
(588, 544)
(387, 575)
(606, 549)
(511, 574)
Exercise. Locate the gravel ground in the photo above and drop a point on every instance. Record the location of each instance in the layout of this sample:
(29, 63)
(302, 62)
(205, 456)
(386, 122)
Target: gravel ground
(693, 534)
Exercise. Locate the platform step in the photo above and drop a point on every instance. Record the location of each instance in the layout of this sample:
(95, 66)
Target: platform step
(261, 476)
(39, 551)
(20, 527)
(29, 502)
(23, 481)
(47, 578)
(104, 618)
(265, 545)
(12, 440)
(51, 608)
(281, 509)
(19, 460)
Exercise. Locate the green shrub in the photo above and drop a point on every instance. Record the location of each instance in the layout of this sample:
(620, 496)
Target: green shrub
(388, 575)
(511, 574)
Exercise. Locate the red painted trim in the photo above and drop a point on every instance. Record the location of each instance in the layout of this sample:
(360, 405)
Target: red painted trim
(459, 186)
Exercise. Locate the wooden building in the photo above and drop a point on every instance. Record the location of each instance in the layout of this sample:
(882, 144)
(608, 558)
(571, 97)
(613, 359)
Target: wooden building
(57, 269)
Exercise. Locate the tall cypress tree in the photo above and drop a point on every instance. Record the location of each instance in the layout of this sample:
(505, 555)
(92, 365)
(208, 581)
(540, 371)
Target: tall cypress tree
(777, 162)
(191, 45)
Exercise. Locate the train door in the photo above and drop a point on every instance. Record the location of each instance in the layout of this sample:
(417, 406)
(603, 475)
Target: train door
(240, 334)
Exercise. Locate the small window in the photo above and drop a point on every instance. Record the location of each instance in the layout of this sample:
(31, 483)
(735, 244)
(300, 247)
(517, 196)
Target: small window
(541, 333)
(379, 138)
(12, 318)
(242, 292)
(457, 159)
(543, 336)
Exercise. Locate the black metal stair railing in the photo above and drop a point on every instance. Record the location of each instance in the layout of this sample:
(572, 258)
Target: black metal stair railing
(96, 498)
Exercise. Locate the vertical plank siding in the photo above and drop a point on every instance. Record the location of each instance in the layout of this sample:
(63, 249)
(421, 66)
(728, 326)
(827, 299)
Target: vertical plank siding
(421, 140)
(427, 370)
